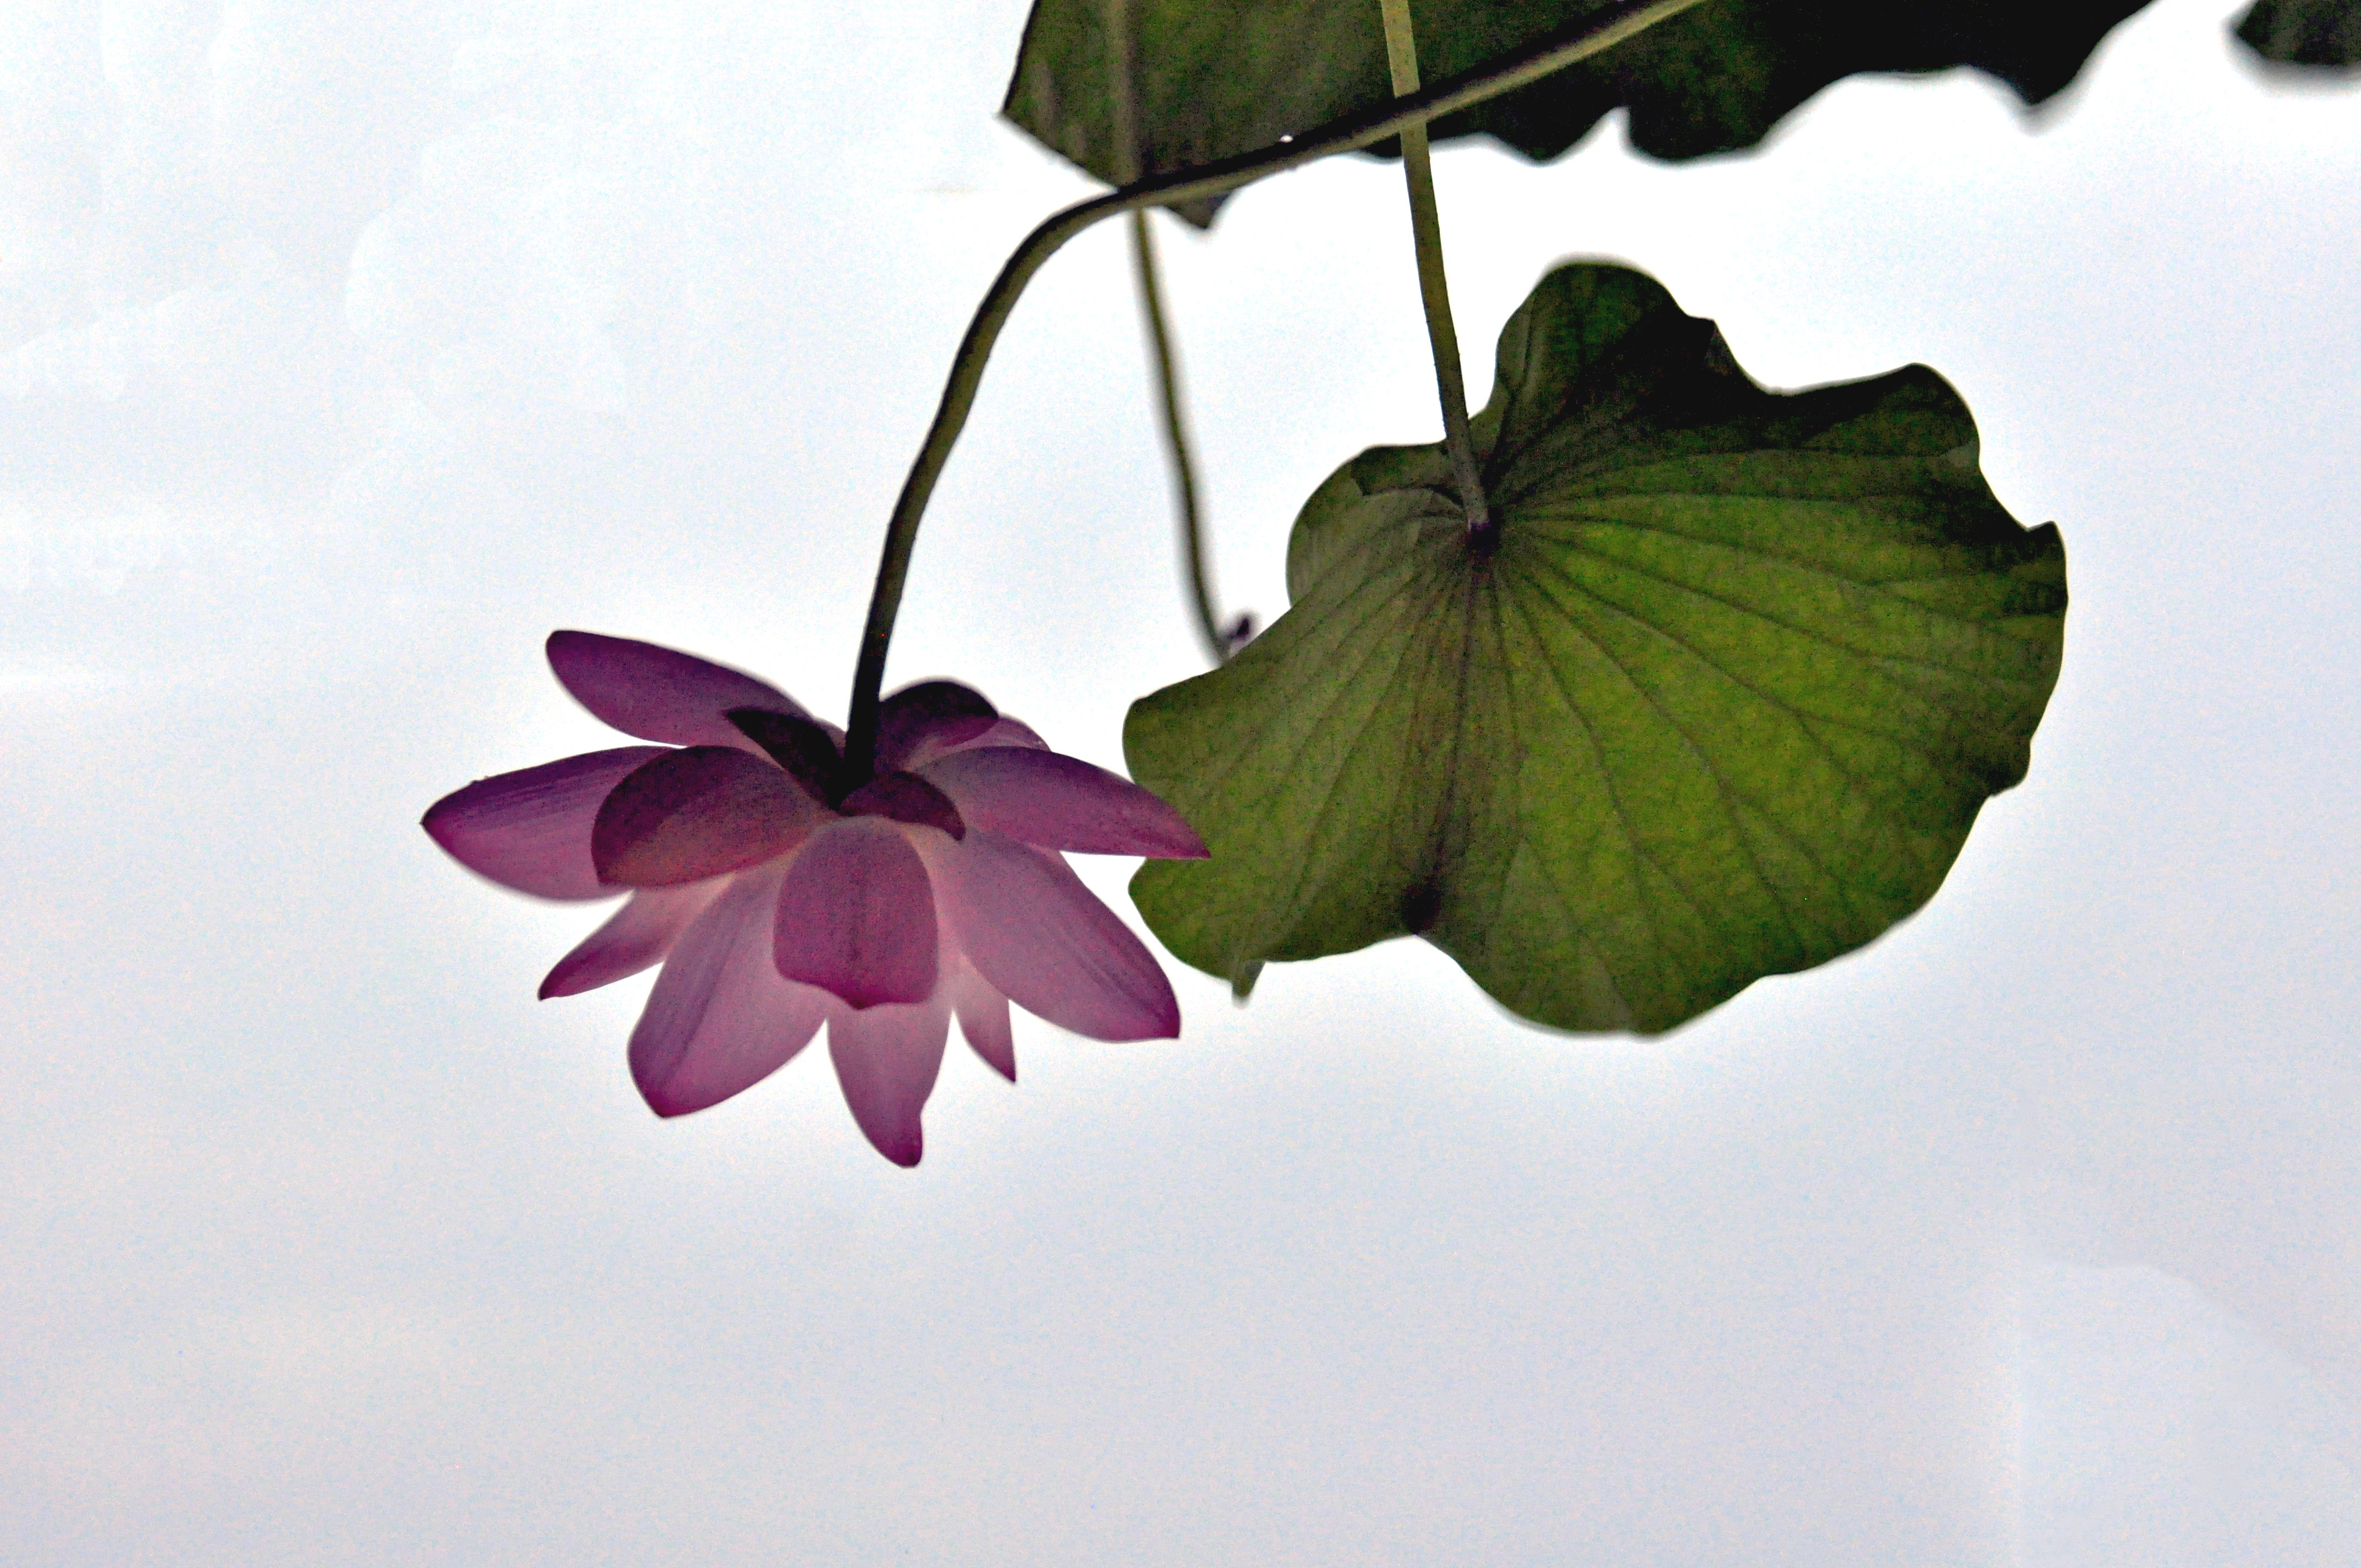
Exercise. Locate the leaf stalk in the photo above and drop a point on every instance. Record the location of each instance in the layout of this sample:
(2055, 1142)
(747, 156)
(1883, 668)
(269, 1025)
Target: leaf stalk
(1433, 285)
(1123, 95)
(1219, 644)
(1347, 133)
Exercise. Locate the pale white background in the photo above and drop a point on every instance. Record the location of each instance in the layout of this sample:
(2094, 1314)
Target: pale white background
(347, 348)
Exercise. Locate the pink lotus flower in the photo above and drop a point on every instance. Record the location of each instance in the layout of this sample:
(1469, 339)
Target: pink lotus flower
(778, 894)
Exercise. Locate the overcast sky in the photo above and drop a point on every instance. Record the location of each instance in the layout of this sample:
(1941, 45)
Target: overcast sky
(347, 349)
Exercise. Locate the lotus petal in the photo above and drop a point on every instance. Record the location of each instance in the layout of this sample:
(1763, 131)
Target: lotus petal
(530, 830)
(720, 1019)
(982, 1015)
(856, 916)
(659, 694)
(1046, 942)
(931, 714)
(1000, 732)
(1061, 803)
(641, 934)
(698, 813)
(905, 798)
(811, 752)
(886, 1059)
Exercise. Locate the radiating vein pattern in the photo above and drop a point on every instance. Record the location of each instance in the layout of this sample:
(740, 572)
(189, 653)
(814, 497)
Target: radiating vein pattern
(1723, 702)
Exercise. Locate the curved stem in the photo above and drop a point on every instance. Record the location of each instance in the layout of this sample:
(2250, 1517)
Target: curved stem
(1176, 440)
(1123, 95)
(1434, 288)
(1348, 133)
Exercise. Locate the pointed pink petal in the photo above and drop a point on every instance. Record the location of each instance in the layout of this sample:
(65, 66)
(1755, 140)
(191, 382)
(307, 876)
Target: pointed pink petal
(698, 813)
(1002, 732)
(932, 714)
(1061, 803)
(641, 933)
(656, 692)
(720, 1019)
(1032, 929)
(886, 1059)
(857, 915)
(530, 830)
(982, 1016)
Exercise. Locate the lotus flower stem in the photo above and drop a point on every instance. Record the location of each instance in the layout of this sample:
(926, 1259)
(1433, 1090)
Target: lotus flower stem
(1433, 287)
(1347, 133)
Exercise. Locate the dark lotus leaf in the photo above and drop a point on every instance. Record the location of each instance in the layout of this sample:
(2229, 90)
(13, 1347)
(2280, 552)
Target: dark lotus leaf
(2304, 32)
(1219, 77)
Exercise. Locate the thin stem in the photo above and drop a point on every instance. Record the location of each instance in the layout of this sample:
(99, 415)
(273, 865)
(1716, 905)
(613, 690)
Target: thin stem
(1123, 95)
(1347, 133)
(1434, 288)
(1176, 440)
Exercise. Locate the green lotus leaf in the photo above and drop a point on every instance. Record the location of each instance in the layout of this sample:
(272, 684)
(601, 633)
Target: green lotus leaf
(2303, 32)
(1213, 78)
(1718, 697)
